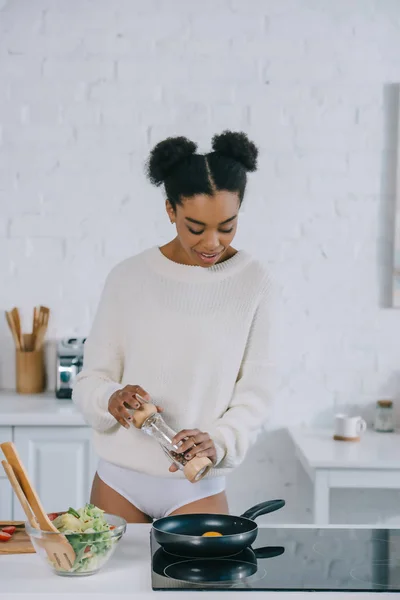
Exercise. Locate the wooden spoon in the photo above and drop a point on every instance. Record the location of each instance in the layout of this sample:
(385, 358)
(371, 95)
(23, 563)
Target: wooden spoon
(11, 325)
(24, 502)
(44, 314)
(35, 317)
(41, 316)
(17, 324)
(35, 323)
(20, 494)
(58, 548)
(41, 326)
(39, 337)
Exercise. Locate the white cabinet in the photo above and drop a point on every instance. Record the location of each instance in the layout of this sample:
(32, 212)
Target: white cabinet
(5, 436)
(61, 464)
(5, 499)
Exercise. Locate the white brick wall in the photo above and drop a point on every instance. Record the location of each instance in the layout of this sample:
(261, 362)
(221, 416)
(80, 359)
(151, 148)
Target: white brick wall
(86, 89)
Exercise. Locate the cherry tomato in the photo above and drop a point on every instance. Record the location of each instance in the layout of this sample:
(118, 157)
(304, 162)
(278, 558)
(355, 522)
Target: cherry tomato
(9, 529)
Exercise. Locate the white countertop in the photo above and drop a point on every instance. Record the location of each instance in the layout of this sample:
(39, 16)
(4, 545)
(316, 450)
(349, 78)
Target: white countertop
(375, 450)
(37, 410)
(126, 574)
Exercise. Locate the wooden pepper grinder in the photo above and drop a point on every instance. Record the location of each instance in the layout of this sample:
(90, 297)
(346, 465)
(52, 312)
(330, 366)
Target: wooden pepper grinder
(151, 422)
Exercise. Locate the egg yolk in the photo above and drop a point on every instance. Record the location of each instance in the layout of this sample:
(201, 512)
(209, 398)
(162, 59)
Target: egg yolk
(211, 534)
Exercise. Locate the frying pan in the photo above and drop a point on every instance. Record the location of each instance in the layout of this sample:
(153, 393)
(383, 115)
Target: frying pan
(213, 570)
(182, 534)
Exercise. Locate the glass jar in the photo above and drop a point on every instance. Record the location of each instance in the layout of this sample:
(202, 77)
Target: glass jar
(152, 423)
(384, 417)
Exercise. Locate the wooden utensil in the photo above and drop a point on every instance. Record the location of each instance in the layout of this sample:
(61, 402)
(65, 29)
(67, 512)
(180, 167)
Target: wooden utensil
(40, 321)
(45, 315)
(39, 337)
(11, 325)
(58, 548)
(19, 543)
(25, 507)
(35, 322)
(20, 494)
(21, 497)
(17, 323)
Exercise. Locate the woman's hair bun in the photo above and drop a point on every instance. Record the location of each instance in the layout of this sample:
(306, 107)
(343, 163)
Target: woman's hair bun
(166, 155)
(236, 145)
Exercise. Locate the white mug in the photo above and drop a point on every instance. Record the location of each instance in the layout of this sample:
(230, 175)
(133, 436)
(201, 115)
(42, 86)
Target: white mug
(349, 428)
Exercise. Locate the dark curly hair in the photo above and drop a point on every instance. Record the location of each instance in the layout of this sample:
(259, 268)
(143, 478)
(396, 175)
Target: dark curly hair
(174, 163)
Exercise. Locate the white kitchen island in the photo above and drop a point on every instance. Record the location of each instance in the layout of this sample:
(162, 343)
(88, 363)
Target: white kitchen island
(127, 574)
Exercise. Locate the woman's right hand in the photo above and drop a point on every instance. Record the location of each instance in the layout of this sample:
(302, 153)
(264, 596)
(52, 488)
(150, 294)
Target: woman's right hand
(130, 397)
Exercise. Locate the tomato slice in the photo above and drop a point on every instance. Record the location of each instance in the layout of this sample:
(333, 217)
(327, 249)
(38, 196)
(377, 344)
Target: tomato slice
(4, 536)
(9, 529)
(52, 516)
(112, 527)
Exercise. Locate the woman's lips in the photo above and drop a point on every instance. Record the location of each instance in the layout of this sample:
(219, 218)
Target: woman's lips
(208, 258)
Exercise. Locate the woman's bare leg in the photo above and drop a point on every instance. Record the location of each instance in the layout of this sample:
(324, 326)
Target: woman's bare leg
(217, 504)
(113, 503)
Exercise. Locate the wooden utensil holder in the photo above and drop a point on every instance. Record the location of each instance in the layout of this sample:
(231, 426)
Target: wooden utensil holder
(29, 369)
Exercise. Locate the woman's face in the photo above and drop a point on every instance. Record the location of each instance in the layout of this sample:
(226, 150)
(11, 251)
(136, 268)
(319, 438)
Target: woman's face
(206, 226)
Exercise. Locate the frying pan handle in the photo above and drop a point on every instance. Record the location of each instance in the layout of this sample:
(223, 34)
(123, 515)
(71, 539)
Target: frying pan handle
(269, 551)
(263, 509)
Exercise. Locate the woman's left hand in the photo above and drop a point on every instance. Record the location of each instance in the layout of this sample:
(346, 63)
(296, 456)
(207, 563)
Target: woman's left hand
(204, 446)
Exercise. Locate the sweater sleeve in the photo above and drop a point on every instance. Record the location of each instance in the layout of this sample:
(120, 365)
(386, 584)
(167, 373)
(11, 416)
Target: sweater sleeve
(237, 430)
(103, 360)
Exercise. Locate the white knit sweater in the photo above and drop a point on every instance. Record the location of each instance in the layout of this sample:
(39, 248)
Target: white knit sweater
(196, 340)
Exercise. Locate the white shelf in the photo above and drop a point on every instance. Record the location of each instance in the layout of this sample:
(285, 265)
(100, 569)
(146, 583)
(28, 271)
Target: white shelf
(375, 450)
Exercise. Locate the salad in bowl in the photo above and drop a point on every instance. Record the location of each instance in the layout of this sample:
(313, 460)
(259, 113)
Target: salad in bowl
(92, 533)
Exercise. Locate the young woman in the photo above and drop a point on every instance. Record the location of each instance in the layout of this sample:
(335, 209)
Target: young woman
(184, 325)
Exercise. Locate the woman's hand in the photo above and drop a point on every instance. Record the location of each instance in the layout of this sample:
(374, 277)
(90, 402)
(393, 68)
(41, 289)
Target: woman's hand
(195, 443)
(130, 397)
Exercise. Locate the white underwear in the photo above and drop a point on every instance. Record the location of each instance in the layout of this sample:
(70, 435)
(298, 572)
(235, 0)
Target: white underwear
(157, 496)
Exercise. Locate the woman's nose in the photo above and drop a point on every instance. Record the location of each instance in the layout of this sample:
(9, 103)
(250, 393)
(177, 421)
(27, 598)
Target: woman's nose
(211, 241)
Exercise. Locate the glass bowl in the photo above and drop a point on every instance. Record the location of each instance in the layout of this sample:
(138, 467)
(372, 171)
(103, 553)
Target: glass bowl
(92, 550)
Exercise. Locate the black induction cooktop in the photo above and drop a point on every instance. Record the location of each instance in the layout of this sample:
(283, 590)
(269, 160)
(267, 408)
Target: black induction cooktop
(291, 559)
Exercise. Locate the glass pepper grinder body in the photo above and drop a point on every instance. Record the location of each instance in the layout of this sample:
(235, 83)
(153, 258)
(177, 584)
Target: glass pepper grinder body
(152, 423)
(156, 427)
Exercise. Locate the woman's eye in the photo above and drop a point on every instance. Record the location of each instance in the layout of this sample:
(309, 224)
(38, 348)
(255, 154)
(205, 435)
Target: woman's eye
(200, 232)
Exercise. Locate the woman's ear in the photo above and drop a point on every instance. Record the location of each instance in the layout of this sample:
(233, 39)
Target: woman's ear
(170, 211)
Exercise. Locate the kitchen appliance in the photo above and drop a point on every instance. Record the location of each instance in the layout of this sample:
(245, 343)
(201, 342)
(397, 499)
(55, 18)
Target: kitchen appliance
(69, 363)
(359, 559)
(183, 534)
